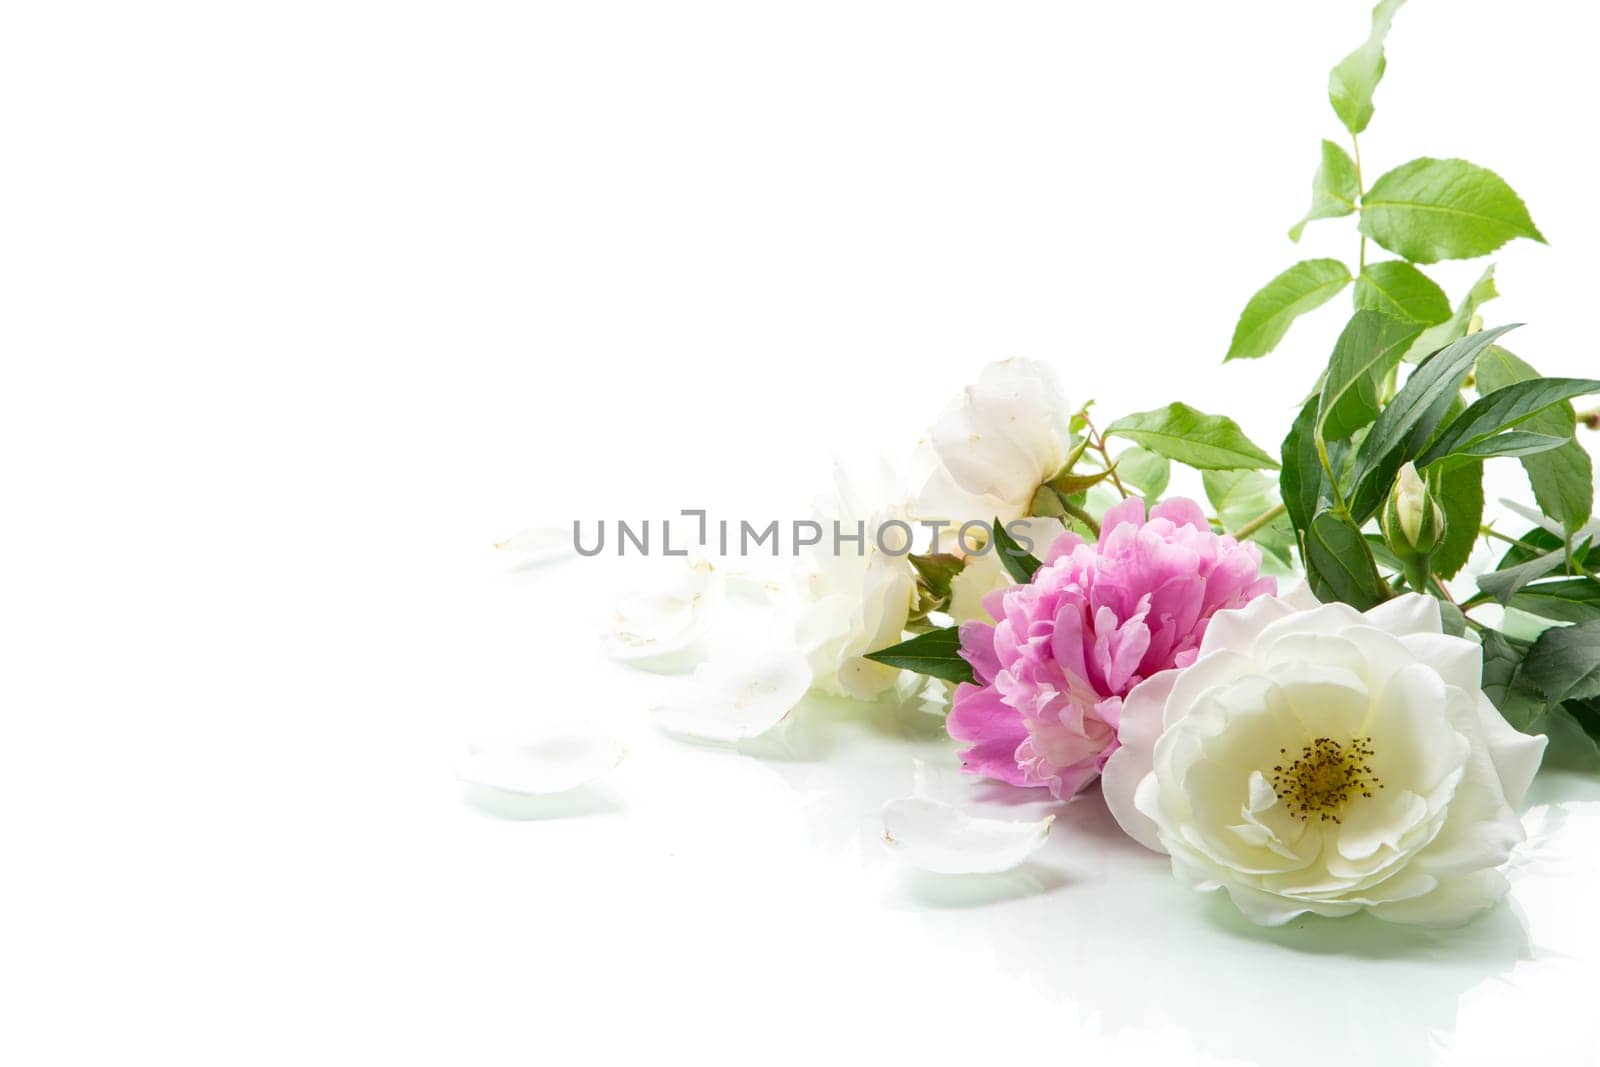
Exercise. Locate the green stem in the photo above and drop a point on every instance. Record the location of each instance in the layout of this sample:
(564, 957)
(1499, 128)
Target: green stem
(1082, 516)
(1327, 468)
(1361, 193)
(1243, 533)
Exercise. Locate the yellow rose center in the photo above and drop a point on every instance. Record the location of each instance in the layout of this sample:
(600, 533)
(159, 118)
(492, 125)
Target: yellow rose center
(1325, 777)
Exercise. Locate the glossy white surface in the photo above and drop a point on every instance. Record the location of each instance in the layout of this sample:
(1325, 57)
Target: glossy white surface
(743, 888)
(307, 304)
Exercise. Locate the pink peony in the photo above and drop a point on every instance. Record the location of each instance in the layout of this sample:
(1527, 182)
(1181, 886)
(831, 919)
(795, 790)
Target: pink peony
(1094, 623)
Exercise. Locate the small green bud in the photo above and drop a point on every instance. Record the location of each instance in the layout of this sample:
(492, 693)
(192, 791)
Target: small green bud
(1413, 525)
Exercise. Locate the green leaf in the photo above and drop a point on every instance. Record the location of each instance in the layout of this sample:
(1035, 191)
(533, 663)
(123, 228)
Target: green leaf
(1563, 478)
(1017, 563)
(1401, 291)
(1502, 410)
(937, 571)
(1205, 442)
(1456, 327)
(1334, 188)
(1352, 83)
(1410, 419)
(1302, 483)
(1543, 541)
(1266, 318)
(1505, 684)
(1370, 345)
(1565, 662)
(1460, 494)
(1144, 470)
(1339, 564)
(1433, 209)
(1239, 497)
(1514, 443)
(1573, 600)
(936, 653)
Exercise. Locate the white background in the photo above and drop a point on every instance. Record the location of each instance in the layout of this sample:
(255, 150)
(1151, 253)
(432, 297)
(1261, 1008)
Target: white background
(303, 305)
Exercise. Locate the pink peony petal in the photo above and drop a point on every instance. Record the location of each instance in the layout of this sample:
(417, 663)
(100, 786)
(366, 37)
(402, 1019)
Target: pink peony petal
(1095, 622)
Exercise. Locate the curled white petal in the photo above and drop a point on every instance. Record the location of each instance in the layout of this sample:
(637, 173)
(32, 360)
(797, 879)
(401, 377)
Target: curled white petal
(734, 698)
(1327, 761)
(669, 620)
(538, 542)
(538, 764)
(994, 445)
(854, 597)
(935, 836)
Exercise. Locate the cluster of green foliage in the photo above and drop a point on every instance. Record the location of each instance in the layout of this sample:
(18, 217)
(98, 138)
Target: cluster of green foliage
(1417, 394)
(1415, 380)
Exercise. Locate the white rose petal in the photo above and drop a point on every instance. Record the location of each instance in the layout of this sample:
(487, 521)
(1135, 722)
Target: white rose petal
(854, 598)
(734, 698)
(554, 761)
(1326, 761)
(935, 836)
(539, 542)
(658, 623)
(994, 445)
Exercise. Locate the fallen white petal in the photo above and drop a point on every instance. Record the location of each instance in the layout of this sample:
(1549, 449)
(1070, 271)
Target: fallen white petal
(540, 542)
(736, 698)
(658, 623)
(939, 837)
(539, 764)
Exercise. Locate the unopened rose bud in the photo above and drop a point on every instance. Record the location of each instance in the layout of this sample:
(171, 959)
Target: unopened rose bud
(1413, 525)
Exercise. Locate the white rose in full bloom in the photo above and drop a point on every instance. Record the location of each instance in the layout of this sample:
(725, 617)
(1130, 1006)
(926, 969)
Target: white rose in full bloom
(855, 599)
(1327, 761)
(994, 445)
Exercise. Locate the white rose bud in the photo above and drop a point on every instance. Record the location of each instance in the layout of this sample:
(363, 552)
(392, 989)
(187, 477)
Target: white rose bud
(1413, 525)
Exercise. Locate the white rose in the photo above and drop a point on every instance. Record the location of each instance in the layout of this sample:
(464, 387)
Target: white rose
(994, 445)
(855, 598)
(1327, 761)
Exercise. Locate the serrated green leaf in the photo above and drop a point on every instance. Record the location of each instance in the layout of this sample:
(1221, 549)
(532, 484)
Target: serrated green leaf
(1401, 291)
(1460, 494)
(1019, 564)
(1502, 410)
(1205, 442)
(1563, 478)
(1565, 662)
(1506, 686)
(1339, 563)
(1301, 483)
(1456, 326)
(1573, 600)
(1370, 345)
(1432, 209)
(1334, 188)
(1145, 470)
(1240, 497)
(1410, 419)
(1518, 443)
(1267, 317)
(936, 653)
(1352, 83)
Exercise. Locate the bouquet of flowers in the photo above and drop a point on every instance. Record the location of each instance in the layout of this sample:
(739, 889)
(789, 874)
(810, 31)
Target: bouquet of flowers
(1292, 688)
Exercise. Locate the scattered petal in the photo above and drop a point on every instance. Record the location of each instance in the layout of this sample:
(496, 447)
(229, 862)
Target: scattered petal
(536, 765)
(538, 542)
(939, 837)
(659, 623)
(735, 698)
